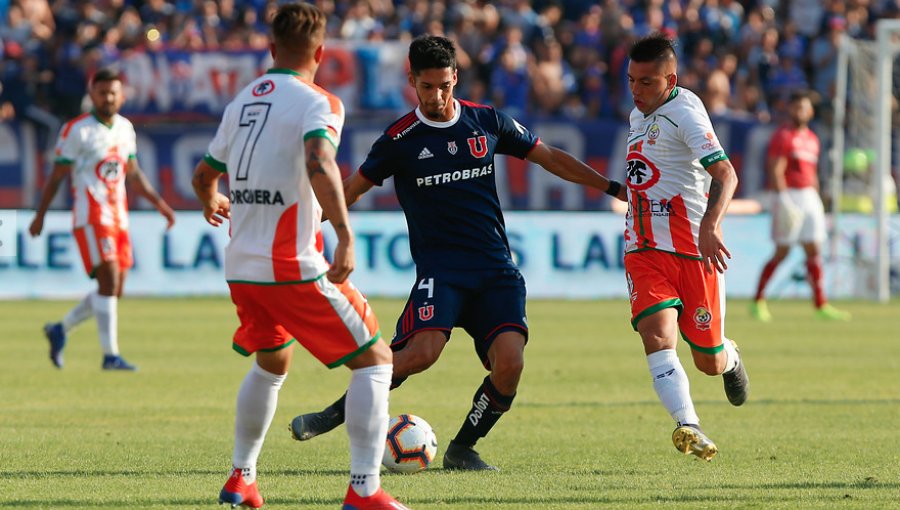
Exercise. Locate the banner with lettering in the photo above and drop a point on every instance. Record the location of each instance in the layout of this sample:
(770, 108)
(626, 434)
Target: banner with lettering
(561, 255)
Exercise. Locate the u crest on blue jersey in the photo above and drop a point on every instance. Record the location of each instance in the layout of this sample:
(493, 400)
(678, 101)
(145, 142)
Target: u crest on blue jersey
(451, 148)
(478, 146)
(426, 312)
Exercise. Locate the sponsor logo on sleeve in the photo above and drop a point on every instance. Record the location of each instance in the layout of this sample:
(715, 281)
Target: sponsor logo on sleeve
(711, 142)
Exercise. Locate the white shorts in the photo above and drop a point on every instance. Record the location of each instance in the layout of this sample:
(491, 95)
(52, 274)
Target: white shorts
(805, 224)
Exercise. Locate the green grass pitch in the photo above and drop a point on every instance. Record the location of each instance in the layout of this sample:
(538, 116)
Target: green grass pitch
(821, 429)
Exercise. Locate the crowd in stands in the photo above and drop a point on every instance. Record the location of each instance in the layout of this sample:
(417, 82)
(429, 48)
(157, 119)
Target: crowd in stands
(542, 57)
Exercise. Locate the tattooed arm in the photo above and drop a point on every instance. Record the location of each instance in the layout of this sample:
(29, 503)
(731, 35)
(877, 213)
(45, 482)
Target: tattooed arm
(216, 206)
(712, 246)
(325, 178)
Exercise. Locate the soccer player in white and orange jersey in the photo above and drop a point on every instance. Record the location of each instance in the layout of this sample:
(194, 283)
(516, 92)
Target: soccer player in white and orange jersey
(277, 142)
(797, 213)
(98, 150)
(674, 252)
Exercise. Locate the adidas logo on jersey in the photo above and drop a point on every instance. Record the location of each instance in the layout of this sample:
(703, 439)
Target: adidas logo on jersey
(425, 154)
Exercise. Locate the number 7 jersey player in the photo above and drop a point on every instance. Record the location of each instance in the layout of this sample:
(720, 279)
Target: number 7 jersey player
(277, 142)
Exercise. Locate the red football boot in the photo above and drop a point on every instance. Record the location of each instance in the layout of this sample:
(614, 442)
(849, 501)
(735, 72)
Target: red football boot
(236, 492)
(379, 501)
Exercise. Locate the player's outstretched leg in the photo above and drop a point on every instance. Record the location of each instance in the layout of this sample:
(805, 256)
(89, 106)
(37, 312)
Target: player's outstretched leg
(690, 440)
(737, 383)
(56, 335)
(309, 425)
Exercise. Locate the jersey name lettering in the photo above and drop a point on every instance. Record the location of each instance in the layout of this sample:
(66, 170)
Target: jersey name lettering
(256, 196)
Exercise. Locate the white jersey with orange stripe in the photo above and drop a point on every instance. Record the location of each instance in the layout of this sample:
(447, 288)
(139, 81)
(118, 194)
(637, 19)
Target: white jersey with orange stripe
(98, 153)
(668, 152)
(276, 219)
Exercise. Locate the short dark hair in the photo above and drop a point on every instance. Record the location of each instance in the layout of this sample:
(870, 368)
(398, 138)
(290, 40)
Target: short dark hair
(652, 48)
(299, 27)
(106, 74)
(431, 52)
(799, 95)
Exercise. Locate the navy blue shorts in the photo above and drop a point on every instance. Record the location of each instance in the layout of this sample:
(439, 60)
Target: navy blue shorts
(484, 303)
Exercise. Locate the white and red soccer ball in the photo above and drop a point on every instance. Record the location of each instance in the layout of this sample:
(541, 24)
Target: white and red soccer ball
(411, 444)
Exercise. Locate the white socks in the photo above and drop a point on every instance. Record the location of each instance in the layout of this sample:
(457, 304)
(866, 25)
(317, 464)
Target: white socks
(672, 386)
(367, 421)
(106, 312)
(256, 403)
(82, 312)
(731, 356)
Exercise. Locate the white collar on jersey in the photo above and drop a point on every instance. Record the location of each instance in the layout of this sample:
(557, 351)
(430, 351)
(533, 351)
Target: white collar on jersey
(427, 122)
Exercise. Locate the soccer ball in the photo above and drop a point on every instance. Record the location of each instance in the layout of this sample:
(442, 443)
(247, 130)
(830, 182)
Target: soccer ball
(411, 444)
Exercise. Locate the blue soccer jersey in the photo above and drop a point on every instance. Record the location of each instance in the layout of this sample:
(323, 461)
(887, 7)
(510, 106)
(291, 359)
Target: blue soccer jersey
(444, 178)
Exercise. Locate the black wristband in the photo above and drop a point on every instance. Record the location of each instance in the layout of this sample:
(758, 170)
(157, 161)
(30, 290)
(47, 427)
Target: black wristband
(613, 189)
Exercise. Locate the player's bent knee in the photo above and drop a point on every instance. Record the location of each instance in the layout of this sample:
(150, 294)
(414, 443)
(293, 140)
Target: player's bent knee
(421, 358)
(506, 375)
(510, 365)
(710, 365)
(377, 354)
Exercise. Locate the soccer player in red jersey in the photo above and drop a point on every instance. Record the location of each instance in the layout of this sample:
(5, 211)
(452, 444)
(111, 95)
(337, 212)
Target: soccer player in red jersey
(797, 213)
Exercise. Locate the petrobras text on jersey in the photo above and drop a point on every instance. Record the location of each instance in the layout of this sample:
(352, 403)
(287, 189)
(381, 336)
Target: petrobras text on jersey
(456, 175)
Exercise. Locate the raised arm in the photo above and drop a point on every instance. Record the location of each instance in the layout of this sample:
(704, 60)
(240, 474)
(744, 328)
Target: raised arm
(565, 166)
(60, 171)
(325, 178)
(136, 178)
(721, 190)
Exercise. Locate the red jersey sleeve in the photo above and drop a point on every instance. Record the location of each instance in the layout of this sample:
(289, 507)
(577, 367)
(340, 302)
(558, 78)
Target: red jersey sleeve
(778, 145)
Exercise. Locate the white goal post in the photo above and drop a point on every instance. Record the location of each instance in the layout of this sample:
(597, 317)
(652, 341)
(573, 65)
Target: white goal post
(874, 105)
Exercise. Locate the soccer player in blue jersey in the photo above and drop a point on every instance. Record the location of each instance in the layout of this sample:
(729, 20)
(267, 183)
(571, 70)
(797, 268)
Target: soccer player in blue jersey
(441, 156)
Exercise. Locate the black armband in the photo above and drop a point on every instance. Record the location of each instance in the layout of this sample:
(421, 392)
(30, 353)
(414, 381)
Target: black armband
(613, 189)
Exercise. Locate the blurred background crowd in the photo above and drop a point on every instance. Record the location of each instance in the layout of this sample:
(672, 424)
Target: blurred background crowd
(543, 57)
